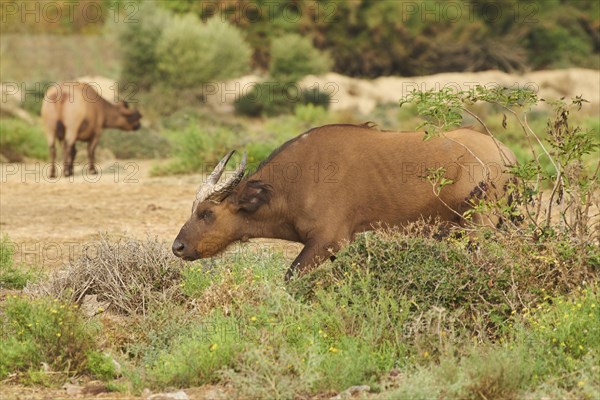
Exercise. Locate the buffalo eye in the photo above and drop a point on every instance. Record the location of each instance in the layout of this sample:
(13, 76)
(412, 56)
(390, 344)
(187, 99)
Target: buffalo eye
(206, 215)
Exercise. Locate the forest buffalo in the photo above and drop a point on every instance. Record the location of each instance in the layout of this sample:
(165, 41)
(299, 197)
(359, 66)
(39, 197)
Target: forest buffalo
(332, 182)
(76, 111)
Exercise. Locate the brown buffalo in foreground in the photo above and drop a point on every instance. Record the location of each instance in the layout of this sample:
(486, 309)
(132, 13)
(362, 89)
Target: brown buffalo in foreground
(330, 183)
(75, 111)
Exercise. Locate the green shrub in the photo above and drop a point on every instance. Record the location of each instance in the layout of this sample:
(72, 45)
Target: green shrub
(11, 276)
(560, 332)
(190, 53)
(553, 351)
(195, 149)
(316, 97)
(18, 139)
(144, 143)
(250, 104)
(101, 365)
(43, 331)
(270, 98)
(294, 56)
(32, 102)
(274, 98)
(475, 292)
(196, 357)
(138, 41)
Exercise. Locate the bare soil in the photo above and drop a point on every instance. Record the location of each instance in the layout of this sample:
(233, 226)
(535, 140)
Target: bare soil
(50, 220)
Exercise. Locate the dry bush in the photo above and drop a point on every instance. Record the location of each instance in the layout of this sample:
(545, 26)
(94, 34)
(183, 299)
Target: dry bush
(126, 273)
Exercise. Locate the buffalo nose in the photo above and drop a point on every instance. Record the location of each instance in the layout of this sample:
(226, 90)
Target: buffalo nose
(177, 247)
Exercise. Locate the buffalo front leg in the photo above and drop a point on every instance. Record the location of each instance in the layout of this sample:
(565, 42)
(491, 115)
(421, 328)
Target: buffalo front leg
(313, 253)
(91, 148)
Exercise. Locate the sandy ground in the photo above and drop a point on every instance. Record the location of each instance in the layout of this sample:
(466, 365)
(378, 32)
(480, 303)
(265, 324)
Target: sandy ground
(50, 219)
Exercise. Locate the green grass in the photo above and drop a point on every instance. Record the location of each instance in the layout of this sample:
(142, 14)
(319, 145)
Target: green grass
(144, 143)
(553, 351)
(435, 312)
(13, 276)
(18, 139)
(43, 331)
(199, 143)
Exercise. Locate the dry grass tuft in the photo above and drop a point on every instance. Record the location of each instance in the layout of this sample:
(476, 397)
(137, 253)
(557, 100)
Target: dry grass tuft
(126, 273)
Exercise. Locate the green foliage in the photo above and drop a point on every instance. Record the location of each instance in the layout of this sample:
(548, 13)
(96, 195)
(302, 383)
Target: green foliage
(138, 41)
(474, 293)
(293, 57)
(43, 331)
(101, 365)
(553, 352)
(195, 148)
(197, 357)
(561, 332)
(190, 53)
(274, 98)
(316, 97)
(144, 143)
(556, 157)
(12, 276)
(18, 139)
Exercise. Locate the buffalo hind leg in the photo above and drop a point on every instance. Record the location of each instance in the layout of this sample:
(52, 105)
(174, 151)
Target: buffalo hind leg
(91, 148)
(52, 151)
(313, 253)
(70, 151)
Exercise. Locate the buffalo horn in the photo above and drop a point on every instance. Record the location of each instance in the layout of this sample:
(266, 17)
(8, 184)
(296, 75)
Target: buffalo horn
(215, 192)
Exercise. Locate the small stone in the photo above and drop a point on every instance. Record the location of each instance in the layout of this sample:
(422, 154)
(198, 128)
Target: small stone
(72, 390)
(351, 392)
(179, 395)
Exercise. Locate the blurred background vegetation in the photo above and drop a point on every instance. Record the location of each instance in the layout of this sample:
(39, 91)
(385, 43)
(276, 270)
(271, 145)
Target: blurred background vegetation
(365, 38)
(164, 53)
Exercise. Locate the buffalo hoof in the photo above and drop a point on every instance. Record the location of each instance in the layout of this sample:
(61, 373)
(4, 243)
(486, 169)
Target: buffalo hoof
(93, 170)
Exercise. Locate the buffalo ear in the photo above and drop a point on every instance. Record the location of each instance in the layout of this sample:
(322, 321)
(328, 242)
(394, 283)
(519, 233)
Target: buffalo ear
(253, 195)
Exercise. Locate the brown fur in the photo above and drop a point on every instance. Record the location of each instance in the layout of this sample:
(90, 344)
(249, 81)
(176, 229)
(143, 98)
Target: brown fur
(77, 112)
(330, 183)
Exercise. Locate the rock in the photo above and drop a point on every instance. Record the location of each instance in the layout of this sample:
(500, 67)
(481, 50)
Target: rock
(72, 390)
(179, 395)
(94, 388)
(91, 306)
(352, 391)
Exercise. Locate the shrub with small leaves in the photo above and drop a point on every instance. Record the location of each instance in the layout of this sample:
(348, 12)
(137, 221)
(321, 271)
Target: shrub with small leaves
(294, 56)
(43, 331)
(190, 53)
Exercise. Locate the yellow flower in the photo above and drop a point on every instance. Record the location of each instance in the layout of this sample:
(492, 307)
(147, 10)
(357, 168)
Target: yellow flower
(426, 354)
(58, 334)
(252, 318)
(213, 347)
(580, 383)
(333, 349)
